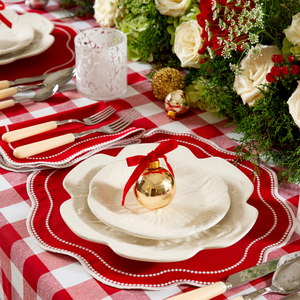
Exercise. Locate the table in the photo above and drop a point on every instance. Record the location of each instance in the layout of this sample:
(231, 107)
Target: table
(28, 271)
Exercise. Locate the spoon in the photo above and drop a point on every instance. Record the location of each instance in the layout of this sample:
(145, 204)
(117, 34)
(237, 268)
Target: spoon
(59, 77)
(286, 280)
(41, 95)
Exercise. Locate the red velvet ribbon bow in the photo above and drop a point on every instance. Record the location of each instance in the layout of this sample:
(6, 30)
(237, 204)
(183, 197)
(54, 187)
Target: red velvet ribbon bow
(2, 18)
(143, 162)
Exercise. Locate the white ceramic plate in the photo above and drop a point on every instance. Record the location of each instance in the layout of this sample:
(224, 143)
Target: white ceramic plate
(201, 201)
(15, 38)
(238, 221)
(42, 38)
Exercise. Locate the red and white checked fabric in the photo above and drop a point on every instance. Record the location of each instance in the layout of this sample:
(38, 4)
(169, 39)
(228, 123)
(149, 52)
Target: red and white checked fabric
(30, 272)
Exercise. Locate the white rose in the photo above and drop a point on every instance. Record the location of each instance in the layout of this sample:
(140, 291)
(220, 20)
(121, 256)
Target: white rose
(174, 8)
(294, 105)
(292, 33)
(187, 43)
(105, 12)
(253, 75)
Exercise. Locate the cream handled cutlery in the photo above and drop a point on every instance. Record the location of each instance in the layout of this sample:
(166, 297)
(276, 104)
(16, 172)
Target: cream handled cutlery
(25, 132)
(234, 280)
(40, 95)
(59, 77)
(4, 84)
(45, 145)
(286, 280)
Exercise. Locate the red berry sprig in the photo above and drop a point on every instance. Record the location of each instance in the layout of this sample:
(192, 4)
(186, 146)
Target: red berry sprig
(282, 68)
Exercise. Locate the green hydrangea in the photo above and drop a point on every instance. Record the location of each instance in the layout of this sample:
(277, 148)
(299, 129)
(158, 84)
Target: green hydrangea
(145, 27)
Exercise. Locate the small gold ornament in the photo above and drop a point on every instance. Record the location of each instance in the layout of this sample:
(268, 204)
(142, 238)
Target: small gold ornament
(166, 81)
(177, 103)
(156, 187)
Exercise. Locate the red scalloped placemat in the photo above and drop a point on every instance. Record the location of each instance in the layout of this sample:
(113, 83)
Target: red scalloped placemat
(272, 229)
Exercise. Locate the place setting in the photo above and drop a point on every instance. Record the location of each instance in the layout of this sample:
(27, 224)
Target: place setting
(32, 40)
(88, 221)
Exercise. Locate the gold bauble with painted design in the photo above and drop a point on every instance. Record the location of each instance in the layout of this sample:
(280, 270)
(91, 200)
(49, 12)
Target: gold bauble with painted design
(177, 103)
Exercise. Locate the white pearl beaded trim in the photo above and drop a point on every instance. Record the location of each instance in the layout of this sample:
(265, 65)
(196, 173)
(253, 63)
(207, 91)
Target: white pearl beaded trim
(121, 140)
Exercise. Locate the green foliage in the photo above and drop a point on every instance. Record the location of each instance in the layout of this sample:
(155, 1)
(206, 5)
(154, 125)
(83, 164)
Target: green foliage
(217, 88)
(278, 17)
(146, 30)
(83, 8)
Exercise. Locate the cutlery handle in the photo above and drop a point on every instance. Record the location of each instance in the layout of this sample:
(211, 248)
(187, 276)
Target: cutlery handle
(4, 84)
(23, 133)
(7, 103)
(43, 146)
(204, 293)
(8, 92)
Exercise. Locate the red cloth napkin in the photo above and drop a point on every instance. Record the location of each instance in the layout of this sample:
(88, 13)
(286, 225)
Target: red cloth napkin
(69, 154)
(272, 229)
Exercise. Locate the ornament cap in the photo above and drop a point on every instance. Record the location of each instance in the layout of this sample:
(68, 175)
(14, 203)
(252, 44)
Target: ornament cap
(172, 114)
(154, 165)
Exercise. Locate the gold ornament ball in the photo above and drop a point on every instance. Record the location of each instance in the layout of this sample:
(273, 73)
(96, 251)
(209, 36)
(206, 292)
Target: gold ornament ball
(166, 81)
(155, 188)
(177, 103)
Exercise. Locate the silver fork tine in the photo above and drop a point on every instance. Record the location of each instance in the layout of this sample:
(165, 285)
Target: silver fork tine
(126, 121)
(121, 118)
(101, 115)
(115, 125)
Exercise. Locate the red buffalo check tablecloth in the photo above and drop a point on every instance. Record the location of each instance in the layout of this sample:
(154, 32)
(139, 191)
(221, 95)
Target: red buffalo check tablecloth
(40, 258)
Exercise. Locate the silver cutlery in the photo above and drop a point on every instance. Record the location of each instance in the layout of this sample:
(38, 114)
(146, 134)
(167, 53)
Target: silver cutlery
(234, 280)
(22, 133)
(4, 84)
(40, 95)
(60, 78)
(286, 280)
(45, 145)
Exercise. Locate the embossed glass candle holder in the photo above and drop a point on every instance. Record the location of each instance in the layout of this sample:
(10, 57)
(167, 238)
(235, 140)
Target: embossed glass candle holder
(101, 63)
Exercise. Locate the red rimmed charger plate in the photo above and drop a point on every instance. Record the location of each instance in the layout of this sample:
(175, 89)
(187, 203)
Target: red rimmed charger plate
(272, 229)
(60, 55)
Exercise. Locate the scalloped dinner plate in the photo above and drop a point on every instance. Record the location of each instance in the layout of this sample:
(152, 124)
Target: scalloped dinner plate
(234, 226)
(42, 40)
(15, 38)
(200, 202)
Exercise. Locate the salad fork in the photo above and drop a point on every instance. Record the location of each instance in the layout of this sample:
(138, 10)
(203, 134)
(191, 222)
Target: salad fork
(22, 133)
(45, 145)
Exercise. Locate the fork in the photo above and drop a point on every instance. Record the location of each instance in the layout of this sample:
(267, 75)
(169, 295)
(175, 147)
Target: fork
(22, 133)
(45, 145)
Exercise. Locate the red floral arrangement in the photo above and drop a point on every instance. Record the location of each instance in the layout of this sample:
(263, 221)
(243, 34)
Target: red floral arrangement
(227, 25)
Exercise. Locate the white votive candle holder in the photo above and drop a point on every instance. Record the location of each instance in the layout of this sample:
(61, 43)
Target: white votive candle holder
(101, 63)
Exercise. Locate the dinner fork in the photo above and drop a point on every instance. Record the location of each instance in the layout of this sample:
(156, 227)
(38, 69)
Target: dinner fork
(45, 145)
(23, 133)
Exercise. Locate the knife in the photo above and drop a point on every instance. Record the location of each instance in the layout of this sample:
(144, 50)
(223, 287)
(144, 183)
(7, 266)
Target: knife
(234, 280)
(4, 84)
(59, 77)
